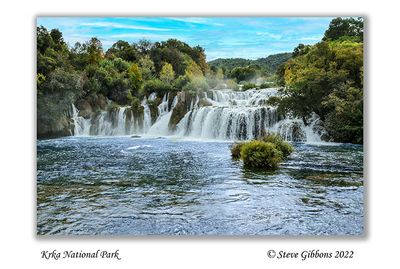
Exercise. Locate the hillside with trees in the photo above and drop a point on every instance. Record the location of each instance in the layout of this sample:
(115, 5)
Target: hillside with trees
(246, 70)
(92, 78)
(327, 79)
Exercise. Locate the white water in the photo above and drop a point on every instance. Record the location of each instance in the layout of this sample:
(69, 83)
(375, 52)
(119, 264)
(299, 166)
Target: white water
(228, 115)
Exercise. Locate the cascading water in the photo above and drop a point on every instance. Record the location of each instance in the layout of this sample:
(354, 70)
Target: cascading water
(217, 114)
(231, 115)
(81, 125)
(161, 126)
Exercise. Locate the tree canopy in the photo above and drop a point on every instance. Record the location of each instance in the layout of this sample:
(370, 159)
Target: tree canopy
(327, 79)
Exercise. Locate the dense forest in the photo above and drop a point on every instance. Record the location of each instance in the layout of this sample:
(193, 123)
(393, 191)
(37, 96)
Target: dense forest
(325, 78)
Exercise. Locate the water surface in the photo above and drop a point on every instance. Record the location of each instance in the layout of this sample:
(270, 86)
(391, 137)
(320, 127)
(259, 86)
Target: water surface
(122, 185)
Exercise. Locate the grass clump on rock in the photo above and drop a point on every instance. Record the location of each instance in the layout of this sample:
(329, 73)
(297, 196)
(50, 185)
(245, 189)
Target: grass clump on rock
(266, 152)
(259, 154)
(280, 144)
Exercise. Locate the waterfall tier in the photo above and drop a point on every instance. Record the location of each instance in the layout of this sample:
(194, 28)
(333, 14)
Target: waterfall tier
(215, 114)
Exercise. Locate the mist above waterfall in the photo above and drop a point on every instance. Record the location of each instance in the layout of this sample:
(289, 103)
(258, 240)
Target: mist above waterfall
(213, 114)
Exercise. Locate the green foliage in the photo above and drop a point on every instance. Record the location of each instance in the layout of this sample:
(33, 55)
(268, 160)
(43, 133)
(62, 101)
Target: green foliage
(248, 86)
(259, 154)
(122, 49)
(123, 74)
(146, 66)
(266, 152)
(157, 86)
(301, 49)
(180, 82)
(344, 122)
(40, 78)
(283, 146)
(193, 70)
(43, 39)
(263, 66)
(345, 27)
(219, 74)
(327, 79)
(135, 104)
(135, 77)
(94, 50)
(167, 74)
(62, 80)
(243, 73)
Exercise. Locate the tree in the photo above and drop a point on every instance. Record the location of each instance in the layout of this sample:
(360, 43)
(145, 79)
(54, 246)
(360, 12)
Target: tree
(144, 46)
(344, 122)
(57, 38)
(126, 73)
(167, 73)
(326, 80)
(93, 50)
(341, 27)
(243, 73)
(146, 66)
(43, 39)
(193, 70)
(301, 49)
(122, 49)
(135, 77)
(219, 74)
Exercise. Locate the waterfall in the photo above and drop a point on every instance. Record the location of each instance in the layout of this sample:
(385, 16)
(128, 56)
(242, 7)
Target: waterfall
(146, 115)
(81, 125)
(216, 114)
(160, 127)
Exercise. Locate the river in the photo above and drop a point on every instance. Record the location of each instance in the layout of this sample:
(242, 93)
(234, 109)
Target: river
(119, 185)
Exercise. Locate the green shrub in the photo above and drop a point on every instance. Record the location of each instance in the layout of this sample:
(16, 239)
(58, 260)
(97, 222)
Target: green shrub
(266, 85)
(157, 86)
(279, 143)
(235, 150)
(259, 154)
(248, 86)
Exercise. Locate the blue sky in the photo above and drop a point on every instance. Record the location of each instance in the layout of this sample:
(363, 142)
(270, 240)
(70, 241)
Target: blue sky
(222, 37)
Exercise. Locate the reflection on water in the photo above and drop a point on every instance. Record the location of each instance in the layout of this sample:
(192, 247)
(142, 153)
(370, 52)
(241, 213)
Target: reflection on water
(120, 185)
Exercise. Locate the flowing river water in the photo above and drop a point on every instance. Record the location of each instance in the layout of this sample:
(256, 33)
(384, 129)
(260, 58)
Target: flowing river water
(138, 186)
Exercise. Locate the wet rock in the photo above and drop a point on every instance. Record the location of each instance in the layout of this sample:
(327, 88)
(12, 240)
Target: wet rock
(84, 107)
(180, 110)
(64, 126)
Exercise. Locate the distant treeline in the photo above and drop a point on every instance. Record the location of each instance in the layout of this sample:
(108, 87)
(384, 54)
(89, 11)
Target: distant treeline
(245, 70)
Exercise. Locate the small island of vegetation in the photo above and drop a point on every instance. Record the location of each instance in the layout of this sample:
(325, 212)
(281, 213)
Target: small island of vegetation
(266, 152)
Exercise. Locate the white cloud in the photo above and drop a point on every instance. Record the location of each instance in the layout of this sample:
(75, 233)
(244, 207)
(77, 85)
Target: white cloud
(123, 26)
(197, 21)
(143, 35)
(269, 35)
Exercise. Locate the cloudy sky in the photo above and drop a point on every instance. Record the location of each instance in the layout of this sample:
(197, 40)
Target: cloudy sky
(243, 37)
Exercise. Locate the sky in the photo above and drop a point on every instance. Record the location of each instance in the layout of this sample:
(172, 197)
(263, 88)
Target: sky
(221, 37)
